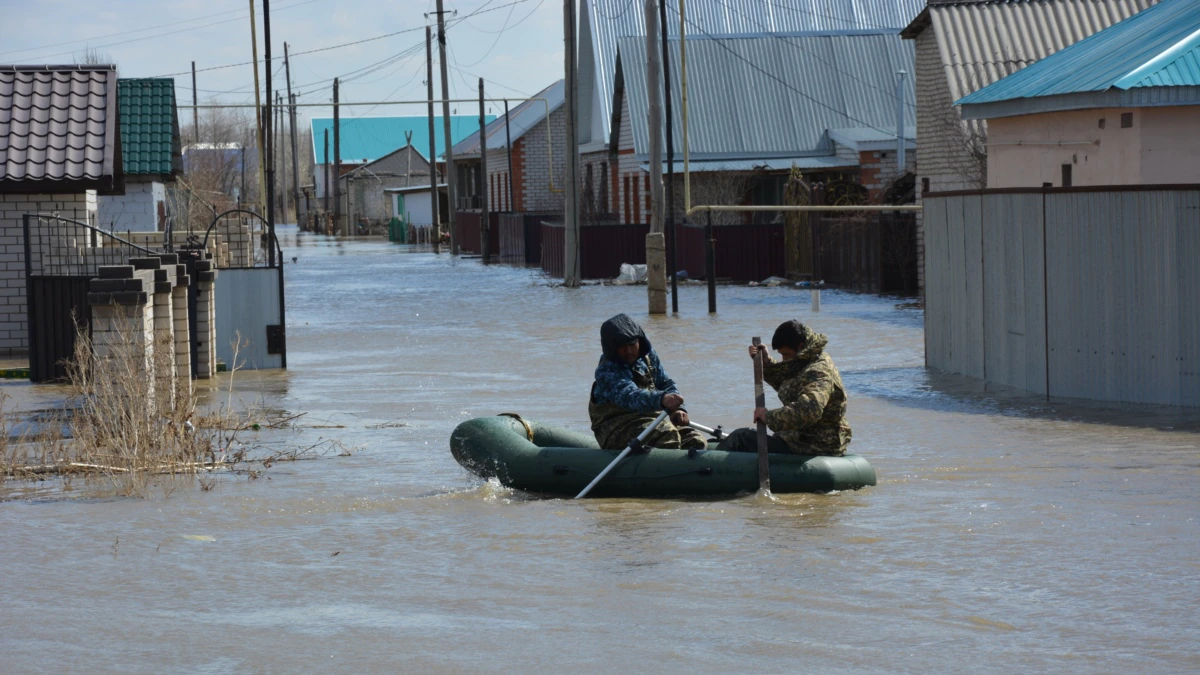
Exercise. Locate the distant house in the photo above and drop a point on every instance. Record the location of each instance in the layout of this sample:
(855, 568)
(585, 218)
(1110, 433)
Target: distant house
(60, 146)
(1117, 108)
(537, 130)
(150, 152)
(365, 187)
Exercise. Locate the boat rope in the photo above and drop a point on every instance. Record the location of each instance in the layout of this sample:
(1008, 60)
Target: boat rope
(528, 427)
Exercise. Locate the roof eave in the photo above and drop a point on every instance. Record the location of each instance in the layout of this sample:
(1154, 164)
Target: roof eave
(1140, 97)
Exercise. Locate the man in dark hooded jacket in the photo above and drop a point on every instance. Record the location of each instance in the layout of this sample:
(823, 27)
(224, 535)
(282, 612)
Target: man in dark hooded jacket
(812, 420)
(630, 390)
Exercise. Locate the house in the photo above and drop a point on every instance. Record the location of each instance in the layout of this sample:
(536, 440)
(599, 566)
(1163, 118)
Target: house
(60, 147)
(150, 152)
(529, 139)
(365, 188)
(1116, 108)
(414, 205)
(1073, 273)
(760, 104)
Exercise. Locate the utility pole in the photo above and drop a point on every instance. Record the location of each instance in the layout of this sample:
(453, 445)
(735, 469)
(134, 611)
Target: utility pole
(900, 122)
(483, 182)
(337, 162)
(271, 169)
(656, 259)
(326, 157)
(508, 144)
(195, 107)
(571, 207)
(436, 223)
(287, 71)
(672, 261)
(258, 120)
(450, 177)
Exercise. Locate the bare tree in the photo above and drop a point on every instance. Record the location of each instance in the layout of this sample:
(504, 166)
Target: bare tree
(91, 56)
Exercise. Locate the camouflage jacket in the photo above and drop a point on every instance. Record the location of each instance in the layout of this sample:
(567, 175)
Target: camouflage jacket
(813, 418)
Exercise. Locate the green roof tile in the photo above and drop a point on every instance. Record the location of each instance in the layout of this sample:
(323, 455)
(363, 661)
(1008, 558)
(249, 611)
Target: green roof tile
(150, 142)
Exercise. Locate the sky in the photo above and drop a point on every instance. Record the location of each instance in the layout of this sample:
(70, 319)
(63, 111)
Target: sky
(515, 45)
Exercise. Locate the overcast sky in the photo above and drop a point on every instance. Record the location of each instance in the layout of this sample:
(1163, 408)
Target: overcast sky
(516, 45)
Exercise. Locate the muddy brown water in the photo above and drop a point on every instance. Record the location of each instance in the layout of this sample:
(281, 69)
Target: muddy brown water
(1007, 531)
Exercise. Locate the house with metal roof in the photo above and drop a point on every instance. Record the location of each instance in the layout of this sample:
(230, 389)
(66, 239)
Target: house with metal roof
(151, 155)
(833, 104)
(60, 145)
(1116, 108)
(526, 158)
(366, 139)
(367, 195)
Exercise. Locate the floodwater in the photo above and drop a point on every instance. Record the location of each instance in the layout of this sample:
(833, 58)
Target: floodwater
(1007, 532)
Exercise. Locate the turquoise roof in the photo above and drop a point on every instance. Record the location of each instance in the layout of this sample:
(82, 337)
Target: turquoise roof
(370, 138)
(150, 143)
(1159, 47)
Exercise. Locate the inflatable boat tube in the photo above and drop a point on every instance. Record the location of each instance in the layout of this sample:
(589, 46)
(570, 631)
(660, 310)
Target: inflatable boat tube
(551, 460)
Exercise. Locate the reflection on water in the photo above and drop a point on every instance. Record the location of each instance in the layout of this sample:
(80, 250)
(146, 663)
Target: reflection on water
(1006, 529)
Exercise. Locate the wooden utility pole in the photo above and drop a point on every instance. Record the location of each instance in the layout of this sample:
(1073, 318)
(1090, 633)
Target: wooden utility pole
(656, 259)
(450, 182)
(325, 155)
(672, 261)
(258, 120)
(571, 207)
(508, 144)
(483, 182)
(195, 108)
(337, 163)
(436, 226)
(271, 168)
(287, 71)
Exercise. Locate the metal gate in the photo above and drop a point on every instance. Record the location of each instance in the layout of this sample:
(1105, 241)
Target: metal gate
(61, 257)
(250, 299)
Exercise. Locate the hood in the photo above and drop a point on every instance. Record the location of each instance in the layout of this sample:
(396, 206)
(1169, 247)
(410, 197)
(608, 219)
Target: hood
(618, 331)
(814, 344)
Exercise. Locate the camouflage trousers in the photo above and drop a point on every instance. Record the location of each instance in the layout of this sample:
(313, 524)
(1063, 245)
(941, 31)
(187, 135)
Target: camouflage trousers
(746, 440)
(615, 434)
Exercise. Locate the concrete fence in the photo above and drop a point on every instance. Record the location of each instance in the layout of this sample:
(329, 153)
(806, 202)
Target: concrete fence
(1071, 292)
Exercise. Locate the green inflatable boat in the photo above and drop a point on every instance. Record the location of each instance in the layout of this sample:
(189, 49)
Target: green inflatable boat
(555, 461)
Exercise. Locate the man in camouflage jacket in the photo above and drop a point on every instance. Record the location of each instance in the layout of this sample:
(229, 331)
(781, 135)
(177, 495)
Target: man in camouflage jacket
(631, 388)
(812, 420)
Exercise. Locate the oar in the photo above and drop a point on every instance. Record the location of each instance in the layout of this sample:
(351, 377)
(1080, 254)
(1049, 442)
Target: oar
(635, 443)
(717, 433)
(760, 401)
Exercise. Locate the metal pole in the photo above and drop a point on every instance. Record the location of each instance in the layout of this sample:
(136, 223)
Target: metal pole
(337, 161)
(195, 111)
(656, 282)
(484, 182)
(508, 144)
(900, 123)
(687, 179)
(451, 186)
(672, 261)
(571, 205)
(271, 169)
(435, 229)
(710, 264)
(258, 120)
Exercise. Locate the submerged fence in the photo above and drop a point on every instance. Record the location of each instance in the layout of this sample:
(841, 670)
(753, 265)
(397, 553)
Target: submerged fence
(1073, 292)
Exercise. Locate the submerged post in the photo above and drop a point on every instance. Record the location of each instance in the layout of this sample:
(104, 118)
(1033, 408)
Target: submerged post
(710, 264)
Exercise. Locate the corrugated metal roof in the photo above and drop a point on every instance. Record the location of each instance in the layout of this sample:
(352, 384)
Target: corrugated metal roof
(150, 141)
(762, 97)
(369, 138)
(982, 42)
(604, 22)
(57, 124)
(1157, 47)
(521, 119)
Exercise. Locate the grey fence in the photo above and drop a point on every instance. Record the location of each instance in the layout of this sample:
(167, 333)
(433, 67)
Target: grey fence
(1072, 292)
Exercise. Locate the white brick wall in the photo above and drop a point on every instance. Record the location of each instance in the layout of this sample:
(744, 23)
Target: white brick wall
(14, 330)
(134, 211)
(538, 196)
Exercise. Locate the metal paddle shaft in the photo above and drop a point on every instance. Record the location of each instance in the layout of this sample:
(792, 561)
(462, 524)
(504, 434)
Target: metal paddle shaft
(717, 433)
(760, 401)
(629, 448)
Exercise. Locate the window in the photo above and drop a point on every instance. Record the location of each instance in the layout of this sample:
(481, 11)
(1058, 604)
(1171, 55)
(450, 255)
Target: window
(1101, 122)
(1066, 175)
(1126, 120)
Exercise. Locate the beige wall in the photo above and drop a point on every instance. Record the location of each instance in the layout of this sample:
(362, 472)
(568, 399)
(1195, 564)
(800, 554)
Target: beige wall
(1160, 147)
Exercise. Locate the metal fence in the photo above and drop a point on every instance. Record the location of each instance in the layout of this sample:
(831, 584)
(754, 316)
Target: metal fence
(1072, 292)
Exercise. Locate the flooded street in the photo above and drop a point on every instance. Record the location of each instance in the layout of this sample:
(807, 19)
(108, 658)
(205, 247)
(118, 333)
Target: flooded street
(1007, 532)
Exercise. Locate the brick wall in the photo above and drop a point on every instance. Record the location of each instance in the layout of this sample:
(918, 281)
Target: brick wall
(878, 169)
(538, 171)
(14, 331)
(134, 211)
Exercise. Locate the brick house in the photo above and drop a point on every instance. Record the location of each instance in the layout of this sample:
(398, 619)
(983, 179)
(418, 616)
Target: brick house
(366, 188)
(151, 154)
(60, 147)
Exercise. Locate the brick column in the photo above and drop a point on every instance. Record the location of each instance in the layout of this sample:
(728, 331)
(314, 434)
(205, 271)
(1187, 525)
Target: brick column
(123, 321)
(206, 320)
(183, 339)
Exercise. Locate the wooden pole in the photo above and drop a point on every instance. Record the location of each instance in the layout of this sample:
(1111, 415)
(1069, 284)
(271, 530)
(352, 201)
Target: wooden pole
(760, 401)
(337, 162)
(195, 110)
(656, 264)
(436, 225)
(710, 264)
(258, 120)
(271, 168)
(287, 70)
(571, 206)
(672, 261)
(483, 182)
(326, 158)
(512, 202)
(451, 183)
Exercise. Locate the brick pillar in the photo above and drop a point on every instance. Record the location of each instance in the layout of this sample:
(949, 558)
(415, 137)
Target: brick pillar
(123, 321)
(163, 341)
(183, 339)
(206, 323)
